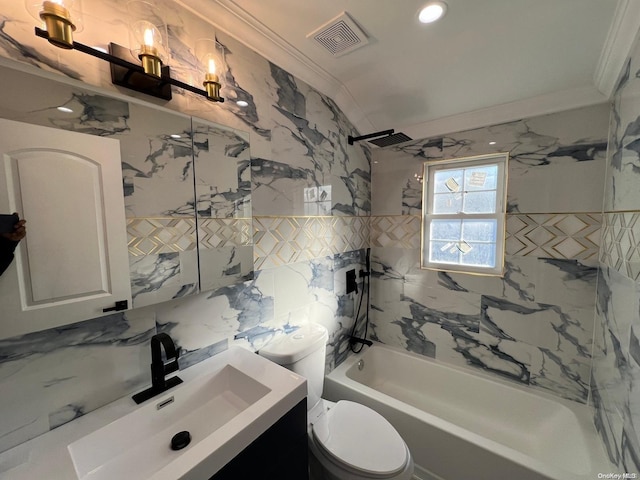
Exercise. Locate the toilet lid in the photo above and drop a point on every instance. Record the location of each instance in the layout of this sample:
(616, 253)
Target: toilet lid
(360, 438)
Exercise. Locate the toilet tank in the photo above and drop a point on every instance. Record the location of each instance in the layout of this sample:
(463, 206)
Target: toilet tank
(303, 352)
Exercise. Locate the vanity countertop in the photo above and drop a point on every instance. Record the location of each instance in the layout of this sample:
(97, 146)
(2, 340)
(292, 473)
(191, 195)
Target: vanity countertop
(48, 456)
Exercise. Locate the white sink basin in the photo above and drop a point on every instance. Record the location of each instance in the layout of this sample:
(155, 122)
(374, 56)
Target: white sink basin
(214, 408)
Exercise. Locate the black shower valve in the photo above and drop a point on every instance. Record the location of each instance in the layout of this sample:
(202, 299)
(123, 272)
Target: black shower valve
(352, 283)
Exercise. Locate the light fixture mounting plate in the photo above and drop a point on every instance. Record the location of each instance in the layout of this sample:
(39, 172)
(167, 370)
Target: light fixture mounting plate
(136, 80)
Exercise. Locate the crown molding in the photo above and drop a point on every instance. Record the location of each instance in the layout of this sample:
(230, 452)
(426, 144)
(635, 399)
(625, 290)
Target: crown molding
(248, 30)
(617, 47)
(507, 112)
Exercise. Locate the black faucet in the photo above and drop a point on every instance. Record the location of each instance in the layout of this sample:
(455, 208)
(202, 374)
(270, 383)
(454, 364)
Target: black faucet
(160, 368)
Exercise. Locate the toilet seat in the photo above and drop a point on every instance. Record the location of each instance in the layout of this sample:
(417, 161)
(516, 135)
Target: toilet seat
(360, 440)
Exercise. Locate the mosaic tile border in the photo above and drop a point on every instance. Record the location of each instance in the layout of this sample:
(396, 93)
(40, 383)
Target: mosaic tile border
(621, 243)
(547, 235)
(283, 240)
(573, 236)
(151, 236)
(399, 231)
(225, 232)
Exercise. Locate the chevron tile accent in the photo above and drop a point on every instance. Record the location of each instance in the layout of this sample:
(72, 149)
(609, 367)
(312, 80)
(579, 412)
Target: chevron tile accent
(621, 243)
(148, 236)
(224, 232)
(402, 231)
(282, 240)
(567, 236)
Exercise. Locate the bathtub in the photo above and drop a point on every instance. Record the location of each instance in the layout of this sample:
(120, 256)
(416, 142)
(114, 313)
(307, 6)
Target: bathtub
(462, 425)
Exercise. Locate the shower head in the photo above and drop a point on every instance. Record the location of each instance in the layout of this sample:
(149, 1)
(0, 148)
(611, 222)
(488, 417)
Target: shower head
(388, 138)
(391, 140)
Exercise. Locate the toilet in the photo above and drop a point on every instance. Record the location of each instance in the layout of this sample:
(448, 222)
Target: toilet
(347, 440)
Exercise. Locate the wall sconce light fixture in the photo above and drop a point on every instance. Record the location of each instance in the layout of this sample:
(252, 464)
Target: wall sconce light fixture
(56, 15)
(147, 32)
(211, 57)
(140, 68)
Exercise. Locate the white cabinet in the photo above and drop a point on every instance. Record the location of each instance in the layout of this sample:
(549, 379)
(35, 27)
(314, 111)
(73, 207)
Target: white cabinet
(73, 262)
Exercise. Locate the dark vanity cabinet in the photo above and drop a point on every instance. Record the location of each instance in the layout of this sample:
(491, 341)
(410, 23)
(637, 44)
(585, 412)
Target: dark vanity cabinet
(280, 453)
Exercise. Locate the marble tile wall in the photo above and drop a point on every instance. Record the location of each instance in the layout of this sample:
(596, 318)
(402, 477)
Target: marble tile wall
(311, 194)
(301, 171)
(534, 325)
(276, 301)
(156, 161)
(163, 257)
(222, 165)
(615, 377)
(51, 377)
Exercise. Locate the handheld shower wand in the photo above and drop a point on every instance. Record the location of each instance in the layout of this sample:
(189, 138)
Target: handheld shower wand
(366, 284)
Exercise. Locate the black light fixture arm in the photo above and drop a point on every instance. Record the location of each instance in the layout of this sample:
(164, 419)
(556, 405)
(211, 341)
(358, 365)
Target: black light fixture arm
(133, 68)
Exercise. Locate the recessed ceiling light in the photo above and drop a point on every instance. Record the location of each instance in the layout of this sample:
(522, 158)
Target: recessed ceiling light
(174, 135)
(65, 109)
(432, 11)
(492, 143)
(242, 103)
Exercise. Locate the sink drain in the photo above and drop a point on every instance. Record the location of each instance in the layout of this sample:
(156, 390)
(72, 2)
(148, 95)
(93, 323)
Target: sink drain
(180, 440)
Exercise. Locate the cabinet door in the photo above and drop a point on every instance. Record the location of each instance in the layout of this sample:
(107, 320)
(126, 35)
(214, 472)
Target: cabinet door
(73, 262)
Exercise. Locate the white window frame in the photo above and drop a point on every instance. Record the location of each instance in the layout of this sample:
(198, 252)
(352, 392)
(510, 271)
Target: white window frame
(428, 187)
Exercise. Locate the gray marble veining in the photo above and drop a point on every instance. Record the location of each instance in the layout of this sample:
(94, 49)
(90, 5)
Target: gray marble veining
(298, 140)
(615, 375)
(543, 151)
(13, 48)
(511, 332)
(47, 372)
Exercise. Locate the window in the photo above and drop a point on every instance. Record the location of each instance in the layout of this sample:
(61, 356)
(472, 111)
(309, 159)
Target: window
(463, 214)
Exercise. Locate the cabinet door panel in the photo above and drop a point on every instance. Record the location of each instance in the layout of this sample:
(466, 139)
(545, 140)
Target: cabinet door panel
(74, 261)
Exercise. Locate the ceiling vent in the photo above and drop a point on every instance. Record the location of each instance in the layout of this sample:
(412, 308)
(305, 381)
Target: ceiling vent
(340, 35)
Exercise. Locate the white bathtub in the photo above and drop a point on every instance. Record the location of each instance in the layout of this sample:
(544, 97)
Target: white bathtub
(461, 425)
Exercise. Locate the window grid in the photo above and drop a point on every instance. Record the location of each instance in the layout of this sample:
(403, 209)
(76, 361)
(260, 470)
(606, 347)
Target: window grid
(449, 203)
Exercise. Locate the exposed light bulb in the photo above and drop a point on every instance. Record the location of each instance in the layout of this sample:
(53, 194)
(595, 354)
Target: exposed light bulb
(212, 65)
(65, 109)
(242, 103)
(211, 57)
(149, 54)
(148, 37)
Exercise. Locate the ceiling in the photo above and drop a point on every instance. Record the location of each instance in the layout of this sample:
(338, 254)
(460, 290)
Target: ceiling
(485, 62)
